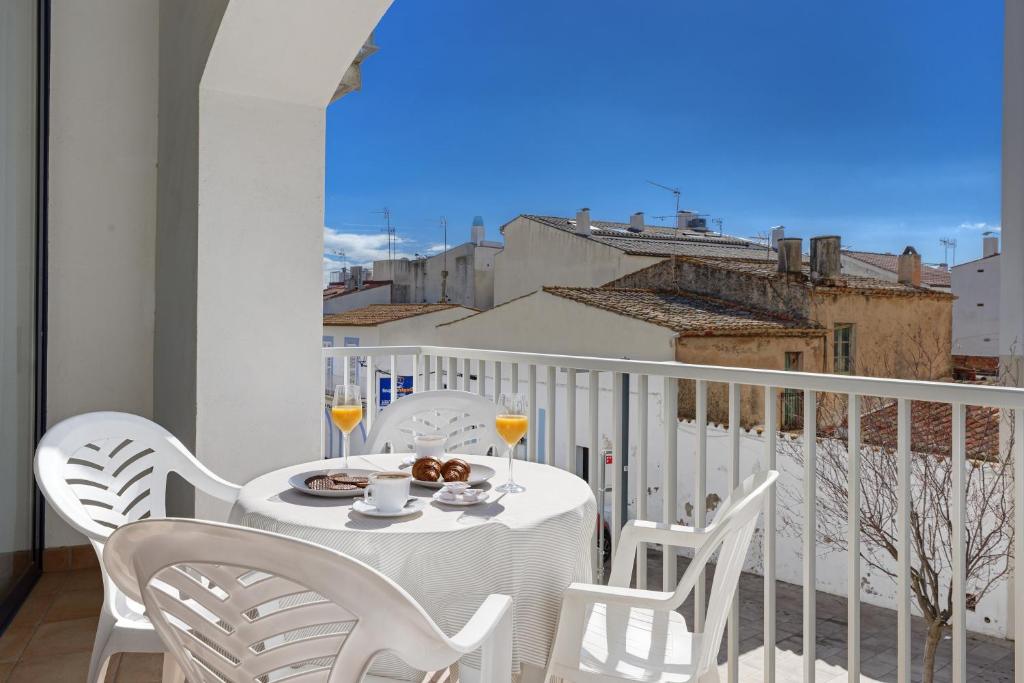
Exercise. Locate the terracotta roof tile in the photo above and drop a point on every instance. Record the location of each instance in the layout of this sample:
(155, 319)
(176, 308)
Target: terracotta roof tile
(688, 314)
(377, 314)
(932, 429)
(336, 290)
(936, 277)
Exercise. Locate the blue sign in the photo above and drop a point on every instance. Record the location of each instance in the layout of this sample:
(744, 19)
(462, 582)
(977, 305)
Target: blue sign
(404, 387)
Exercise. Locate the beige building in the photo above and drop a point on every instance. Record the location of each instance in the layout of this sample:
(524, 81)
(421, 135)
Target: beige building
(733, 312)
(580, 252)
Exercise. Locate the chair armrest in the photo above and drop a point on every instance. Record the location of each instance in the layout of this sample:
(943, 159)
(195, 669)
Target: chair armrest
(587, 593)
(482, 624)
(217, 487)
(638, 531)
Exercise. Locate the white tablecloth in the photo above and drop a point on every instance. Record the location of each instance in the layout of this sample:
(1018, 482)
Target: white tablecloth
(529, 545)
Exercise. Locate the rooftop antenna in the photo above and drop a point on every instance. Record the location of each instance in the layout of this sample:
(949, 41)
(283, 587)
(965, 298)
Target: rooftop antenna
(444, 261)
(390, 232)
(674, 190)
(948, 243)
(718, 224)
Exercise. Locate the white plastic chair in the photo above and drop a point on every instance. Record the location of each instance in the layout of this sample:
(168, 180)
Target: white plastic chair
(265, 607)
(465, 419)
(617, 633)
(102, 470)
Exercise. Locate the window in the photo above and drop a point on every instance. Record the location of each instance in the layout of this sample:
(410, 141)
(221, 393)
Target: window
(793, 399)
(842, 349)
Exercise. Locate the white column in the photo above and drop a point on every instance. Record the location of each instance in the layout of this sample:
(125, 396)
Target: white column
(273, 68)
(1011, 267)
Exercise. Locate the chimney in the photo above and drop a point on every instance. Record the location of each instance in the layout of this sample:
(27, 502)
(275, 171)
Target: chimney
(636, 222)
(825, 258)
(908, 268)
(583, 222)
(989, 244)
(357, 277)
(790, 255)
(476, 233)
(778, 233)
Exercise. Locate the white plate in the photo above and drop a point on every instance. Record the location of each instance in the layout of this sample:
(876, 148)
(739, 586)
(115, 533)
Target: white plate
(364, 508)
(460, 502)
(298, 482)
(478, 474)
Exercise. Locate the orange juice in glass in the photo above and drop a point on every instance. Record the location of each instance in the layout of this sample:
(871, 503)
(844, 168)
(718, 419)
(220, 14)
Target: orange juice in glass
(511, 423)
(346, 412)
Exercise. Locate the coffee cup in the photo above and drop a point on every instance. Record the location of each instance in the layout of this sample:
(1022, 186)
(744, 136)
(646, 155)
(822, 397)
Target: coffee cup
(388, 491)
(429, 445)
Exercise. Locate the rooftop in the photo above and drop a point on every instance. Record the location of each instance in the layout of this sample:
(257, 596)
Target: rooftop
(334, 290)
(379, 314)
(931, 276)
(853, 283)
(688, 314)
(662, 241)
(932, 429)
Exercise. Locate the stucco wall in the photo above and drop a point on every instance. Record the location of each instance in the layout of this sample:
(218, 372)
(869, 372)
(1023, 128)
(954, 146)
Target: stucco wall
(469, 282)
(766, 353)
(976, 328)
(102, 203)
(544, 323)
(537, 255)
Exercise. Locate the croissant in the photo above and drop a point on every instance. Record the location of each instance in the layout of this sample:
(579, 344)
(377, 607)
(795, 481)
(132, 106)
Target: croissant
(455, 470)
(427, 469)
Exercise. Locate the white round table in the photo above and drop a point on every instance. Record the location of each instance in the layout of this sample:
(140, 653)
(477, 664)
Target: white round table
(528, 545)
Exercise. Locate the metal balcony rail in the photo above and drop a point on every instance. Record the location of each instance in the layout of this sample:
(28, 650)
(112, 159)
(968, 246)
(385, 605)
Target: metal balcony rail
(489, 372)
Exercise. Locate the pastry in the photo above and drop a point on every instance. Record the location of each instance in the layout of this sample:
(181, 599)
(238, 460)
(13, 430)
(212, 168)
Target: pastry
(455, 470)
(360, 482)
(427, 469)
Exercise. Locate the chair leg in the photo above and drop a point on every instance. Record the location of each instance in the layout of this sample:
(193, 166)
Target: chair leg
(496, 653)
(172, 673)
(100, 656)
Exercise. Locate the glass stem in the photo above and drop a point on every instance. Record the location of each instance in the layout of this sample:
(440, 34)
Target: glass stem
(344, 439)
(511, 459)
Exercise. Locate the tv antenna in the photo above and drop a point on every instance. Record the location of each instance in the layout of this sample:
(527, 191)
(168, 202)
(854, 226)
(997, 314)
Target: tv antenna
(948, 243)
(674, 190)
(390, 230)
(717, 222)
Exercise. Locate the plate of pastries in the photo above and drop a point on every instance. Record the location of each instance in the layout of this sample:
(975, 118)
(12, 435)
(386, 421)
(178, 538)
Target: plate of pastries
(436, 472)
(332, 483)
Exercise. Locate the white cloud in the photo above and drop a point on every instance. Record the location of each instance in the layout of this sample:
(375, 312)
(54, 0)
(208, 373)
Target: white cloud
(985, 227)
(358, 249)
(435, 248)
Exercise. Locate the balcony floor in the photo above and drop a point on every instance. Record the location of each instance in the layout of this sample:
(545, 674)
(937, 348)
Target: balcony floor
(51, 637)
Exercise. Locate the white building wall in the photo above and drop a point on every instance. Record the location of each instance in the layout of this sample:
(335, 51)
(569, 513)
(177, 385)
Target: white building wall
(536, 255)
(470, 280)
(102, 212)
(976, 309)
(358, 299)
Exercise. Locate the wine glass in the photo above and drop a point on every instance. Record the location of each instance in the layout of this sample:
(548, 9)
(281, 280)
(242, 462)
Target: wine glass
(511, 423)
(346, 412)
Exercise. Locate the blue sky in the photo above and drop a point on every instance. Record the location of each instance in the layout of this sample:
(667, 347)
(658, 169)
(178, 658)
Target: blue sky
(876, 120)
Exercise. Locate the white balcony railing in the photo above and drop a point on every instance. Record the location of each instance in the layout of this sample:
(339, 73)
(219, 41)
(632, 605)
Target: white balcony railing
(562, 378)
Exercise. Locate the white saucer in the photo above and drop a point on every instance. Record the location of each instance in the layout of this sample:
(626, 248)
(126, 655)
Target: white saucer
(459, 500)
(364, 508)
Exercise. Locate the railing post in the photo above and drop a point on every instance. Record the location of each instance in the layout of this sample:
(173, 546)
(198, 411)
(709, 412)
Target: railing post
(810, 532)
(771, 458)
(550, 457)
(570, 417)
(959, 522)
(1018, 537)
(700, 494)
(903, 541)
(481, 377)
(619, 458)
(371, 393)
(426, 372)
(497, 380)
(531, 399)
(670, 420)
(453, 373)
(394, 378)
(595, 462)
(640, 475)
(853, 539)
(417, 381)
(467, 373)
(733, 636)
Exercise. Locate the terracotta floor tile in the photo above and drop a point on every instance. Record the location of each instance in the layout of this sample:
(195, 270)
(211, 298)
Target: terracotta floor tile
(33, 610)
(138, 667)
(65, 667)
(49, 583)
(83, 579)
(13, 642)
(74, 605)
(5, 671)
(112, 666)
(61, 637)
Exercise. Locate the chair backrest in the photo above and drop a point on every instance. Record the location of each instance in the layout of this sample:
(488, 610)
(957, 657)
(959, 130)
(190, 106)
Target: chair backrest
(236, 604)
(465, 419)
(730, 535)
(101, 470)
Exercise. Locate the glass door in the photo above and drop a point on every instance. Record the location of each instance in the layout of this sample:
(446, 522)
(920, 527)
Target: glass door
(20, 351)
